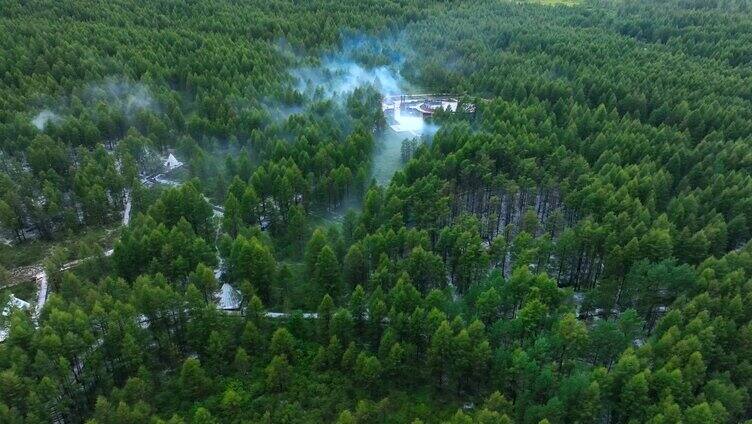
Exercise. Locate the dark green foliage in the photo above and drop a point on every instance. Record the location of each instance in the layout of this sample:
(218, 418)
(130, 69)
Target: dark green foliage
(573, 250)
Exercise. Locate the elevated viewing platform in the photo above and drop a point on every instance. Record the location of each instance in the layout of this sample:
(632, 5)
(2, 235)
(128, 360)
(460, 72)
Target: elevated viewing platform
(406, 112)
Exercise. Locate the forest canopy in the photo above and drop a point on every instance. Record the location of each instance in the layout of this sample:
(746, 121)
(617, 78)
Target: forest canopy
(196, 227)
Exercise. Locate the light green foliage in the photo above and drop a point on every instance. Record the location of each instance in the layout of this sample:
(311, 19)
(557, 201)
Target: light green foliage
(570, 246)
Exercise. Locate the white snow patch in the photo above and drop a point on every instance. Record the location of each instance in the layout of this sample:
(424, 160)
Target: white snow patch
(41, 278)
(162, 180)
(143, 321)
(305, 315)
(127, 209)
(220, 264)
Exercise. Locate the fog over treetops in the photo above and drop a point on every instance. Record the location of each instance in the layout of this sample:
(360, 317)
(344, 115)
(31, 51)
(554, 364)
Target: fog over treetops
(375, 212)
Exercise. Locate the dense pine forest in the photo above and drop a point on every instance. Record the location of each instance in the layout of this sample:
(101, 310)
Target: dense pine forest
(199, 222)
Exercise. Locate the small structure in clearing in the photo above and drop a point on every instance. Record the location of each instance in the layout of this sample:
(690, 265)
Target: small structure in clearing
(228, 298)
(13, 303)
(407, 112)
(172, 163)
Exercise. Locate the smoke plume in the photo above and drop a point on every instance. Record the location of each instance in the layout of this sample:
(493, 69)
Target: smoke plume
(43, 118)
(122, 95)
(117, 94)
(361, 61)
